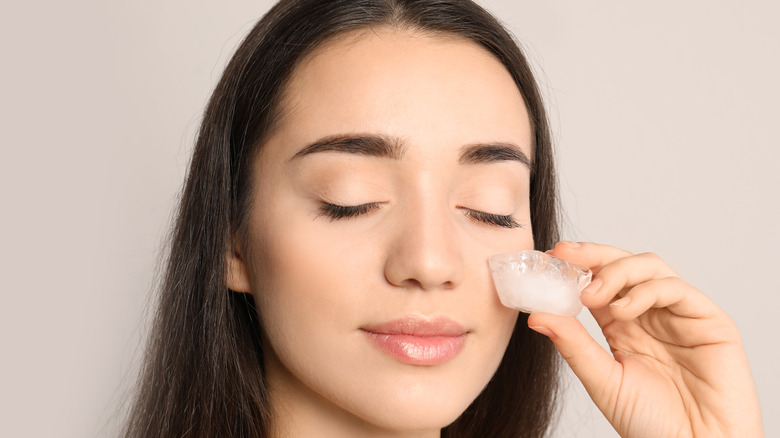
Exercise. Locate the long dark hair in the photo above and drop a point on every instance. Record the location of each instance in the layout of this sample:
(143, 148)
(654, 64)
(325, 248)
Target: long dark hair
(203, 371)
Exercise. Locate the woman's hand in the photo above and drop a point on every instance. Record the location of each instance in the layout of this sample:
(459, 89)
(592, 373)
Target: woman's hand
(679, 367)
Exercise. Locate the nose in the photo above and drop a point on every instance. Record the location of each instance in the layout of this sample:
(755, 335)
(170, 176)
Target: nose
(424, 253)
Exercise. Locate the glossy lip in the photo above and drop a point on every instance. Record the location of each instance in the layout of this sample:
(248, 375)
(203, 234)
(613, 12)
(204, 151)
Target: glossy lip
(418, 341)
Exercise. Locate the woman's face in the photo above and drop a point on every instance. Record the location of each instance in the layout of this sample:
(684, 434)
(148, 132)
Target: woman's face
(399, 165)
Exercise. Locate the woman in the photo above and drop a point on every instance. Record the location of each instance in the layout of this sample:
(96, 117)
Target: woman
(356, 165)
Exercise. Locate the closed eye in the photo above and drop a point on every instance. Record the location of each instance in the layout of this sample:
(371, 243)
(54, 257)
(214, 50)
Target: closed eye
(505, 221)
(336, 212)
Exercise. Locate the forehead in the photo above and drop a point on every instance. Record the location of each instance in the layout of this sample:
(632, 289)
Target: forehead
(418, 87)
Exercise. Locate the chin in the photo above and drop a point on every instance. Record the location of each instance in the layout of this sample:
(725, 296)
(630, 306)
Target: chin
(417, 420)
(421, 407)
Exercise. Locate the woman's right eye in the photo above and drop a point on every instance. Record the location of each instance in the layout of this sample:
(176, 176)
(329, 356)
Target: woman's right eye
(335, 212)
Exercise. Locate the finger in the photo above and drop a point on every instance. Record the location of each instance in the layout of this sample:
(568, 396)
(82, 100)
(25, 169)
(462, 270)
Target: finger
(623, 274)
(602, 316)
(594, 366)
(588, 254)
(672, 293)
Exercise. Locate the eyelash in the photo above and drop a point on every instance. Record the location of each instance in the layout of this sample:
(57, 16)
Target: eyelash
(336, 212)
(493, 219)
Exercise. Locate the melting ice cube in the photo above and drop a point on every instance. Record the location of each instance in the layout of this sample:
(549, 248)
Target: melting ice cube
(532, 281)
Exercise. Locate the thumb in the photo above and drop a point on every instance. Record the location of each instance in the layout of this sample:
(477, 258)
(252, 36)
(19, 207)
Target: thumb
(596, 369)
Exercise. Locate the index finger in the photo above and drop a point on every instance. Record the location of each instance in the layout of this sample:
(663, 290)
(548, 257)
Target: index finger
(595, 256)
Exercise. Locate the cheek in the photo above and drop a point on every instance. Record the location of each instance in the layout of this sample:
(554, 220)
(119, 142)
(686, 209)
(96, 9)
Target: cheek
(307, 283)
(494, 330)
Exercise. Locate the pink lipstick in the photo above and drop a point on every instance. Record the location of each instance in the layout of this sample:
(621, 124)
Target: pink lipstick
(417, 341)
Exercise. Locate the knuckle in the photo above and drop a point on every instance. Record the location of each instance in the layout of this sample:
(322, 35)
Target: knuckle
(650, 256)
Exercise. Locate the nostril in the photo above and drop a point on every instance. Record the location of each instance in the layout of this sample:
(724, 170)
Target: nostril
(414, 283)
(411, 283)
(448, 285)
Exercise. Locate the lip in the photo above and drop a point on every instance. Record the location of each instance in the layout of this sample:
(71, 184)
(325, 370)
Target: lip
(418, 341)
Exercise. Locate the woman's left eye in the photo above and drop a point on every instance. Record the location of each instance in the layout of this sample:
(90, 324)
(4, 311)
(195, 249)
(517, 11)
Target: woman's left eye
(505, 221)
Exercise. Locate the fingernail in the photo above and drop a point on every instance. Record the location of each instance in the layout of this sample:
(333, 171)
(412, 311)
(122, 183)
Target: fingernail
(572, 244)
(593, 287)
(621, 303)
(543, 330)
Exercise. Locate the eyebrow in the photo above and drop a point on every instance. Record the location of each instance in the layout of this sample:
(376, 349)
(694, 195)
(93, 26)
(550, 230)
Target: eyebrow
(482, 153)
(370, 145)
(393, 148)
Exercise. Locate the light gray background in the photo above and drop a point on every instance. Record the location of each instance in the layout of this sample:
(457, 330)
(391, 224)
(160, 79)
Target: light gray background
(665, 115)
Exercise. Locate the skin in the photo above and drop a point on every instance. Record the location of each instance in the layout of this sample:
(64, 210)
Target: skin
(317, 281)
(677, 366)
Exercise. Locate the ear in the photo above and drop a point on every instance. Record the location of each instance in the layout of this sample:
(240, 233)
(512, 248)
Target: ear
(237, 275)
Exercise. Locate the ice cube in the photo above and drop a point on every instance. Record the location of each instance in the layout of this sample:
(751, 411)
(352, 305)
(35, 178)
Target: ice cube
(532, 281)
